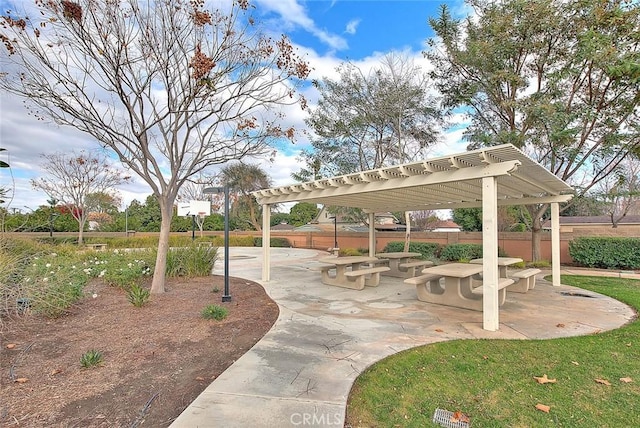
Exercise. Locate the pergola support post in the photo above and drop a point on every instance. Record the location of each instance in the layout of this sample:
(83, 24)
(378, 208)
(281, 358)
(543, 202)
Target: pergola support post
(490, 307)
(372, 235)
(266, 242)
(555, 243)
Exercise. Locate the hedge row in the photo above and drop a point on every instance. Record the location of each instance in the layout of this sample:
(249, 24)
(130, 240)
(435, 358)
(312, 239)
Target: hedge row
(606, 252)
(451, 252)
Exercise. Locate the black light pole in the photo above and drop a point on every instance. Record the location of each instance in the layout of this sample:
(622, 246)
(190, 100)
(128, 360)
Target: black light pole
(335, 232)
(226, 297)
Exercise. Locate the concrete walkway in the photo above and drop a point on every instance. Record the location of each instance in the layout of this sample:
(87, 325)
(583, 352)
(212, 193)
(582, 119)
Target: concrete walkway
(301, 372)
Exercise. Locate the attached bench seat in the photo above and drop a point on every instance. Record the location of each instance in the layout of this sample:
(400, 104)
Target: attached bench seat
(525, 280)
(503, 283)
(426, 284)
(360, 276)
(97, 247)
(410, 267)
(354, 279)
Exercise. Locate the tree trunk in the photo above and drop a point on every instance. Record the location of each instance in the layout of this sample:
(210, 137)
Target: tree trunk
(159, 273)
(81, 232)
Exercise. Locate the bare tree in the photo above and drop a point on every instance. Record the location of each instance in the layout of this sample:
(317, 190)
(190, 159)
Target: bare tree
(170, 87)
(71, 178)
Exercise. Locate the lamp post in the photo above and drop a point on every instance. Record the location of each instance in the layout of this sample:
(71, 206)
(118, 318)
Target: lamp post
(226, 297)
(335, 232)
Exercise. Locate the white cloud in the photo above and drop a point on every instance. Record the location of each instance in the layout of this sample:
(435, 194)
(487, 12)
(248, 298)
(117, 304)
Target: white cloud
(293, 14)
(352, 26)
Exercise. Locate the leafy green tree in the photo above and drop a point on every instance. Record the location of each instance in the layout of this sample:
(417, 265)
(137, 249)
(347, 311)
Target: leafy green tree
(278, 218)
(170, 87)
(302, 213)
(243, 179)
(558, 79)
(469, 219)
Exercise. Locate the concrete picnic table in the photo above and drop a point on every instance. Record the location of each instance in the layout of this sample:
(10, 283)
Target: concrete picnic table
(458, 288)
(503, 263)
(354, 278)
(402, 263)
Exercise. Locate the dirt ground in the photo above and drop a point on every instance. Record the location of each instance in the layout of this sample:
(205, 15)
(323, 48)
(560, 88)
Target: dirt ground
(157, 358)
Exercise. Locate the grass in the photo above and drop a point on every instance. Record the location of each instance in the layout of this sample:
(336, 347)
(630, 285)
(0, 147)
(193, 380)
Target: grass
(492, 380)
(91, 358)
(214, 312)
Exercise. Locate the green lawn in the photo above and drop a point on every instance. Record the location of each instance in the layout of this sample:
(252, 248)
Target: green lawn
(492, 381)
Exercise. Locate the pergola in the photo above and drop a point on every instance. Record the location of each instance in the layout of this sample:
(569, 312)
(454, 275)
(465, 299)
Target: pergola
(487, 178)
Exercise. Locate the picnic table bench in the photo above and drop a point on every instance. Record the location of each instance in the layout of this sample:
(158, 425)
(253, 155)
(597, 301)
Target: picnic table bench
(355, 278)
(403, 264)
(97, 247)
(458, 287)
(525, 280)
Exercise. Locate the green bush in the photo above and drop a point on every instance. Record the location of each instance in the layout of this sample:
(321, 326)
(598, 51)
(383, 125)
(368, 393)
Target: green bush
(345, 252)
(234, 241)
(91, 358)
(465, 252)
(429, 250)
(274, 242)
(138, 295)
(191, 261)
(606, 252)
(214, 312)
(121, 269)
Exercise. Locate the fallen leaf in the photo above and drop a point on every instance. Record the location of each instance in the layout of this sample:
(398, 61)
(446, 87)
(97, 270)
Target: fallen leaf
(626, 379)
(55, 372)
(11, 345)
(459, 417)
(21, 380)
(439, 330)
(560, 325)
(543, 407)
(544, 379)
(603, 382)
(628, 344)
(575, 363)
(199, 378)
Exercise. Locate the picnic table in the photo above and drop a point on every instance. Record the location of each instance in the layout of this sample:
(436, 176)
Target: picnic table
(503, 263)
(403, 264)
(458, 288)
(349, 272)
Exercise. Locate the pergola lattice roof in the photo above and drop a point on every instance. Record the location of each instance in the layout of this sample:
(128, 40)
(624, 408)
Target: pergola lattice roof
(452, 181)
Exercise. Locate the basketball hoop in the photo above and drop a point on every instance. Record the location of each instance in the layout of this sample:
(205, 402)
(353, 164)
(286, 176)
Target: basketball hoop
(201, 214)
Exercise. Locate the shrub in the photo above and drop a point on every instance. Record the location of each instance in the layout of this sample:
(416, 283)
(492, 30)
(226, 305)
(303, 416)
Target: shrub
(121, 269)
(274, 242)
(138, 295)
(457, 252)
(606, 252)
(429, 250)
(191, 261)
(91, 358)
(214, 312)
(344, 252)
(465, 252)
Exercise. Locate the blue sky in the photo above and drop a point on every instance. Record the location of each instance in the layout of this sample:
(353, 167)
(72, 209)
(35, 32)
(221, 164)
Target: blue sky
(328, 32)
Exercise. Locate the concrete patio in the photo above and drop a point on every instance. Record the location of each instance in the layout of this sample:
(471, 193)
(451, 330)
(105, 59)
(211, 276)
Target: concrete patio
(300, 373)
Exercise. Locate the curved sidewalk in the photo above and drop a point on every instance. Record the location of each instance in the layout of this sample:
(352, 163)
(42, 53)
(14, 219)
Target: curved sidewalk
(301, 372)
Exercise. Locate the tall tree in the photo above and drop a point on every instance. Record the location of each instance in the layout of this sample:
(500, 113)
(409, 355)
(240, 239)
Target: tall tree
(558, 79)
(71, 178)
(302, 213)
(169, 86)
(621, 191)
(369, 119)
(243, 179)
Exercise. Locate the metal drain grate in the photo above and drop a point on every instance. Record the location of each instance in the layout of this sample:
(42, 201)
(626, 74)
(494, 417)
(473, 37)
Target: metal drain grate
(443, 418)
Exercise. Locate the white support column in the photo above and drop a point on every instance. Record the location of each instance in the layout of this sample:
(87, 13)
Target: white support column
(555, 243)
(490, 307)
(372, 235)
(266, 242)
